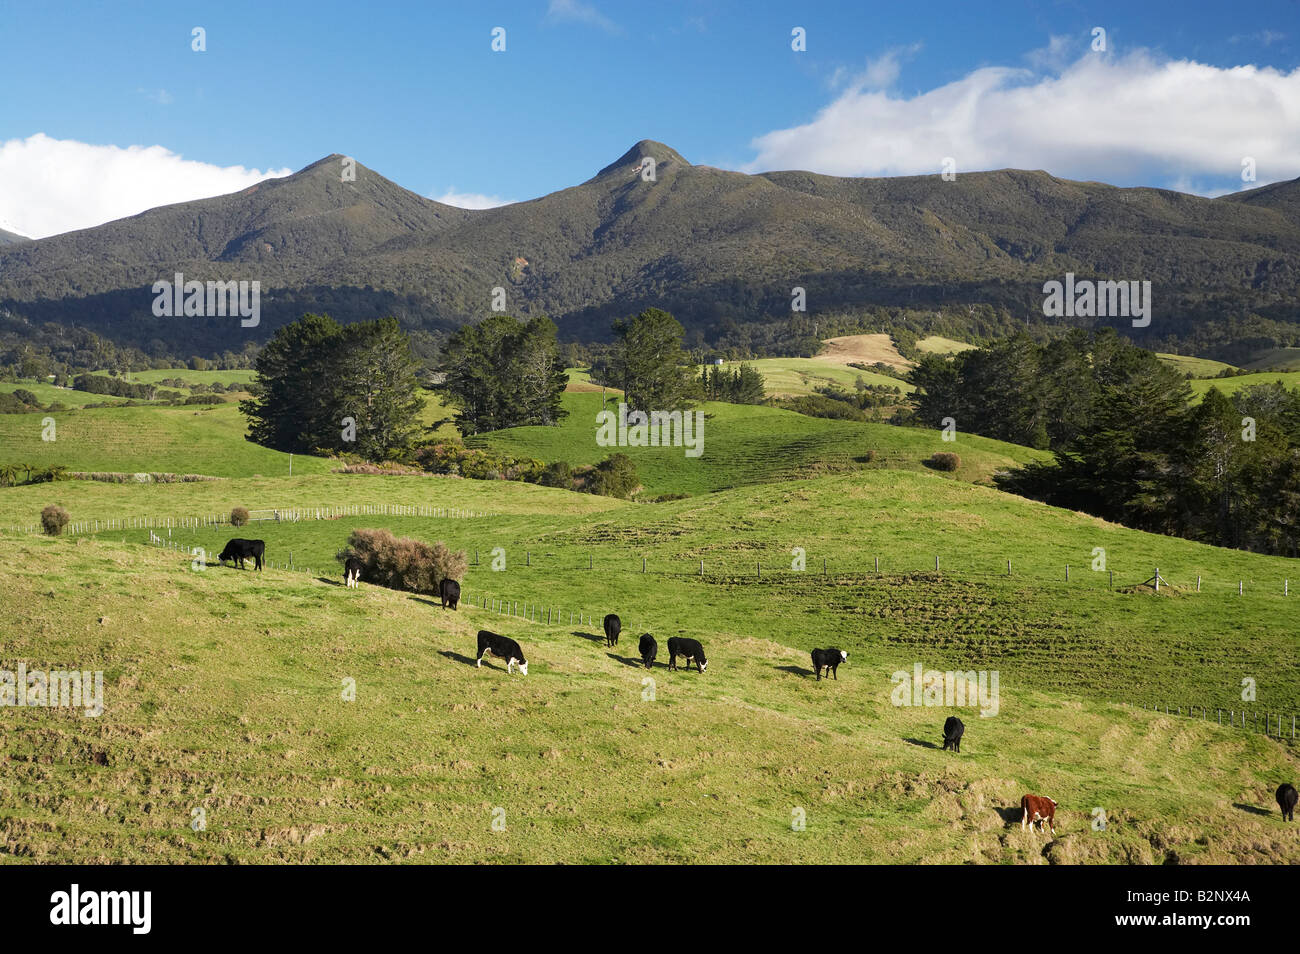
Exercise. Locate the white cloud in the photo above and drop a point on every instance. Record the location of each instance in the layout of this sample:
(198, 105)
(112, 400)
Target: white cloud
(1107, 118)
(470, 200)
(48, 186)
(576, 11)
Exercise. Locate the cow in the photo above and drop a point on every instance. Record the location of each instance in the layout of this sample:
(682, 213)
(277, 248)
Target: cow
(952, 730)
(240, 550)
(690, 648)
(351, 571)
(613, 626)
(1037, 808)
(648, 649)
(503, 647)
(828, 659)
(1286, 799)
(449, 591)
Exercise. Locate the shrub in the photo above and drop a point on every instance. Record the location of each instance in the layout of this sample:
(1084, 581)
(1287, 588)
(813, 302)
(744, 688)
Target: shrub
(944, 461)
(27, 397)
(557, 474)
(615, 476)
(403, 563)
(239, 516)
(54, 518)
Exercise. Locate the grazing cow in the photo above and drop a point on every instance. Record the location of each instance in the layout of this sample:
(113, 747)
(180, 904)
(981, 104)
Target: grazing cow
(828, 659)
(240, 550)
(449, 590)
(648, 649)
(1037, 808)
(1286, 799)
(952, 730)
(690, 648)
(503, 647)
(613, 626)
(351, 571)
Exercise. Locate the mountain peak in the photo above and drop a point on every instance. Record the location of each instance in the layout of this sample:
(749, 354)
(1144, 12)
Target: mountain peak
(631, 159)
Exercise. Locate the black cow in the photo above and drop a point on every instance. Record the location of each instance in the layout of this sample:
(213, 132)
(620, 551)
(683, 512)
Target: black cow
(503, 647)
(1286, 799)
(613, 626)
(648, 649)
(690, 648)
(828, 659)
(351, 571)
(952, 731)
(240, 550)
(449, 590)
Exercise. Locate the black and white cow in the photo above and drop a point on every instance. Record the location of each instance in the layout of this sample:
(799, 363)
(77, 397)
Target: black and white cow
(1286, 799)
(829, 659)
(952, 732)
(613, 626)
(449, 590)
(648, 649)
(240, 550)
(351, 571)
(690, 648)
(503, 647)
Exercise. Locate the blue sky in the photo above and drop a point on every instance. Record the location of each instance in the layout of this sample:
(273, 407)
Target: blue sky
(415, 91)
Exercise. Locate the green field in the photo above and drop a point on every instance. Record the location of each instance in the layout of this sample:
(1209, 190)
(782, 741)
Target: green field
(937, 344)
(1288, 379)
(224, 689)
(745, 444)
(795, 377)
(48, 394)
(213, 676)
(1196, 367)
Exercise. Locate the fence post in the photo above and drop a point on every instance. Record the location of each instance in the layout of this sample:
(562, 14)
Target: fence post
(1112, 579)
(936, 563)
(877, 564)
(1240, 588)
(701, 568)
(1198, 584)
(1009, 568)
(643, 564)
(1067, 573)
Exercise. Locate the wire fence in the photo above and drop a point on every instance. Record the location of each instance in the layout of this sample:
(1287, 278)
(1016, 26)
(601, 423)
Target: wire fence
(275, 514)
(1279, 725)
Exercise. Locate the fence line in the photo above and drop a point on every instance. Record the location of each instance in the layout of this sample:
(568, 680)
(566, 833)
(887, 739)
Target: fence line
(1285, 723)
(279, 515)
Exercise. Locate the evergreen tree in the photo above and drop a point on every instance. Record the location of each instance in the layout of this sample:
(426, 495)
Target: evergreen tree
(649, 363)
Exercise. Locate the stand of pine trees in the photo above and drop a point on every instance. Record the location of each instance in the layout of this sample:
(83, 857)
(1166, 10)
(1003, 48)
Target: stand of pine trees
(344, 389)
(1128, 444)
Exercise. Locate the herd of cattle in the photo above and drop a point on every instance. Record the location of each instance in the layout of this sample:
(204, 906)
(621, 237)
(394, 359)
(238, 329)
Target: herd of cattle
(1033, 808)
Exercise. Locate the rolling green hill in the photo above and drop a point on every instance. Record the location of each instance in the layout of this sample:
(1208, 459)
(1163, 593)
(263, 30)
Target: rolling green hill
(746, 444)
(212, 676)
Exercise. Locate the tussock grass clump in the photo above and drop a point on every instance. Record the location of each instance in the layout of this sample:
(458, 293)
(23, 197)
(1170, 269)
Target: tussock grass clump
(403, 563)
(945, 461)
(53, 519)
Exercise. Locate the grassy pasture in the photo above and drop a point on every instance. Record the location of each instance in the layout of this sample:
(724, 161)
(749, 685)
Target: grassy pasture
(1079, 637)
(1288, 379)
(1196, 367)
(213, 677)
(746, 444)
(795, 377)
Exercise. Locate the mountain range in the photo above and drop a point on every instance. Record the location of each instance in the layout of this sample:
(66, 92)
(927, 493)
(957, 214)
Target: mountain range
(713, 246)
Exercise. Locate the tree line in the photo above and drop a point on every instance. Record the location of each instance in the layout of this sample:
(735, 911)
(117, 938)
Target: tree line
(1127, 442)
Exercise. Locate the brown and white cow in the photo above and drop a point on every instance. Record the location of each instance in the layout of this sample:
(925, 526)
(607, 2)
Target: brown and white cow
(1037, 808)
